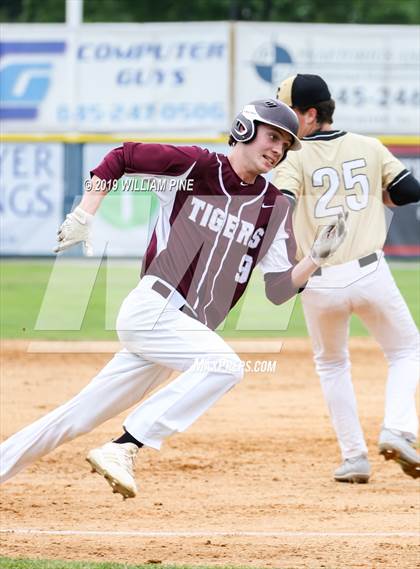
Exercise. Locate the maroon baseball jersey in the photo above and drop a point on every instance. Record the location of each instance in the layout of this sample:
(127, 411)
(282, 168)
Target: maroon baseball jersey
(212, 227)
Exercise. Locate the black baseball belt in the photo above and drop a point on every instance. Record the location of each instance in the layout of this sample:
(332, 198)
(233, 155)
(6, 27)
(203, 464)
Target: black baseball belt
(363, 262)
(165, 291)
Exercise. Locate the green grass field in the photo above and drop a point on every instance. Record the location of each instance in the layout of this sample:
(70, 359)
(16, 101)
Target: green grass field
(8, 563)
(79, 299)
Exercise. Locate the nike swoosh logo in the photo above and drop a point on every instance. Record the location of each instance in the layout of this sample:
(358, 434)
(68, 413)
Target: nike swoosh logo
(265, 206)
(244, 184)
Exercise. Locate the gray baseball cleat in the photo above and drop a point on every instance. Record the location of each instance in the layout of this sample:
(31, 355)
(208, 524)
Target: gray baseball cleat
(356, 469)
(394, 445)
(115, 462)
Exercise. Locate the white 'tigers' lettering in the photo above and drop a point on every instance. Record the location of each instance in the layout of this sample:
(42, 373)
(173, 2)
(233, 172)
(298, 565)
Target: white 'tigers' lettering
(216, 220)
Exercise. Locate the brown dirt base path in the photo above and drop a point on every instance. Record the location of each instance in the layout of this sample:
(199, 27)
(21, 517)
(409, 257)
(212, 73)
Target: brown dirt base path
(251, 479)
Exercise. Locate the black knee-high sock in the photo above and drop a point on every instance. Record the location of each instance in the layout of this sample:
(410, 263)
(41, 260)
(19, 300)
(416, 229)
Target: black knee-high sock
(127, 438)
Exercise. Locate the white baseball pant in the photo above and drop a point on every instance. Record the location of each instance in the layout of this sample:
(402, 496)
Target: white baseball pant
(371, 293)
(157, 338)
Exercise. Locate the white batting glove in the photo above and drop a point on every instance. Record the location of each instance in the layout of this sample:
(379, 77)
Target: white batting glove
(75, 229)
(329, 240)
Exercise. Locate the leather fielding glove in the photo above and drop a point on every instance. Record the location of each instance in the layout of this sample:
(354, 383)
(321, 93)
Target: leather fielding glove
(75, 229)
(329, 239)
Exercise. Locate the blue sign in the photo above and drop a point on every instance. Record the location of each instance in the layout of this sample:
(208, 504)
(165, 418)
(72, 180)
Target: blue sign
(23, 86)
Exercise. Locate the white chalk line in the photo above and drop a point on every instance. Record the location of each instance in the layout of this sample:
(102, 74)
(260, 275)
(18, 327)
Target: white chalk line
(204, 534)
(242, 346)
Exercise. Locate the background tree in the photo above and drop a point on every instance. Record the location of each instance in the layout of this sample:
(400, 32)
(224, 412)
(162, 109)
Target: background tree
(315, 11)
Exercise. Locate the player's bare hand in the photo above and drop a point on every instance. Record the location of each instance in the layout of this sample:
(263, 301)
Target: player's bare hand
(75, 229)
(329, 239)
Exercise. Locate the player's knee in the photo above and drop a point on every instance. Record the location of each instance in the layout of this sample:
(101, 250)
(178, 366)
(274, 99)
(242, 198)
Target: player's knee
(235, 368)
(405, 347)
(332, 368)
(230, 366)
(409, 353)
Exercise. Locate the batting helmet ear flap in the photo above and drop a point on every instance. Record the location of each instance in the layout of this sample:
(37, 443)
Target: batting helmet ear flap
(243, 129)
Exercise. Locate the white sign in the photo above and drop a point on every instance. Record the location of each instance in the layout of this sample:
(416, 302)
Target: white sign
(31, 197)
(154, 77)
(373, 71)
(116, 78)
(176, 77)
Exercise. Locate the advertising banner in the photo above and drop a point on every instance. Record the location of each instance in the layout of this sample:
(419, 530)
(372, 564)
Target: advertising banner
(31, 197)
(176, 77)
(154, 77)
(37, 77)
(373, 71)
(116, 78)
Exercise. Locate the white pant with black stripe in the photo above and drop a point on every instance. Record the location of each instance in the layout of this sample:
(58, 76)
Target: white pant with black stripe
(156, 338)
(369, 292)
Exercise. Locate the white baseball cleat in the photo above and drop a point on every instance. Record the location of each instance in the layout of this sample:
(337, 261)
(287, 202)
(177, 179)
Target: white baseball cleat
(355, 470)
(394, 445)
(115, 462)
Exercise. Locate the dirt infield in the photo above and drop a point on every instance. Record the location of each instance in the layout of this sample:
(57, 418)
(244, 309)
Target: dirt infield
(249, 484)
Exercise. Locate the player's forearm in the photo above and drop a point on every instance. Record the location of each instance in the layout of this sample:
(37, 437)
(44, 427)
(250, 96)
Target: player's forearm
(93, 196)
(386, 198)
(303, 271)
(110, 169)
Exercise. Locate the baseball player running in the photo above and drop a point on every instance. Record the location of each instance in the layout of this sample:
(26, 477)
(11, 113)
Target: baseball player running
(338, 171)
(199, 260)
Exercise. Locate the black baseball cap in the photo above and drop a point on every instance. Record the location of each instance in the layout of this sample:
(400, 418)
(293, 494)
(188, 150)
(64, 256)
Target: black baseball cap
(303, 90)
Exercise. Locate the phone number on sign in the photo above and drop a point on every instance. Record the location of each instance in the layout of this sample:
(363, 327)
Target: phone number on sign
(144, 113)
(381, 97)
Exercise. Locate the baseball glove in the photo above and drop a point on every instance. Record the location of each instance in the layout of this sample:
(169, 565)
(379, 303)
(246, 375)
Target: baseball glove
(75, 229)
(329, 240)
